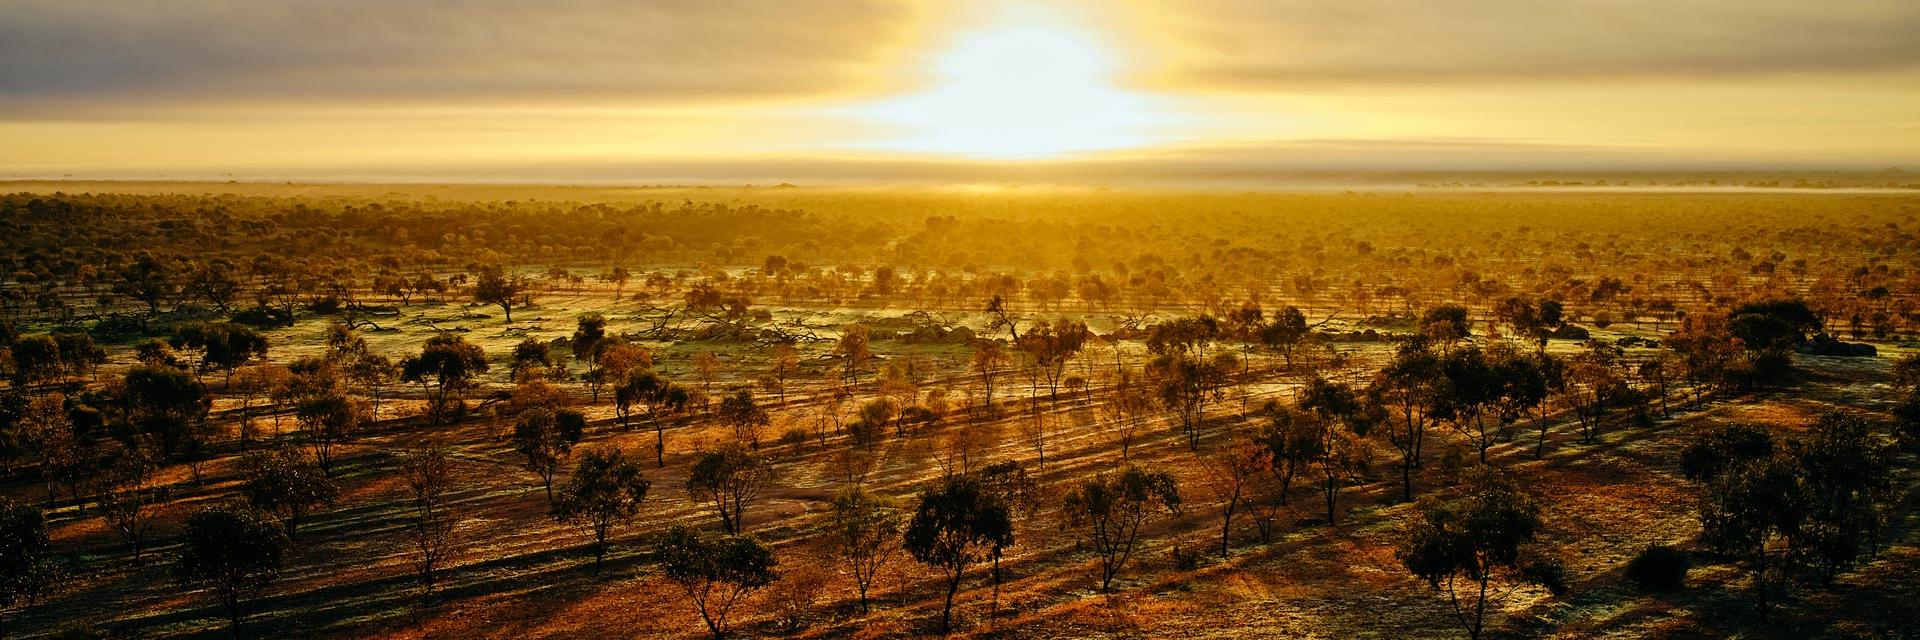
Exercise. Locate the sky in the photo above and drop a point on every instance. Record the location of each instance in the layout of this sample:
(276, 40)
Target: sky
(826, 90)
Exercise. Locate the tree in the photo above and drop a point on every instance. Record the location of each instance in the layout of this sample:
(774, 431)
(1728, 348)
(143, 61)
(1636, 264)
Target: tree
(1008, 483)
(78, 352)
(235, 553)
(747, 418)
(1472, 389)
(1410, 388)
(1847, 472)
(1523, 384)
(27, 569)
(373, 372)
(988, 359)
(1285, 333)
(1769, 330)
(1659, 372)
(1723, 451)
(728, 478)
(589, 341)
(532, 359)
(1291, 442)
(1446, 324)
(643, 386)
(706, 367)
(1592, 383)
(222, 345)
(256, 382)
(864, 530)
(1341, 422)
(1229, 471)
(149, 279)
(328, 420)
(1050, 346)
(545, 436)
(165, 403)
(953, 527)
(716, 571)
(1464, 544)
(1126, 409)
(445, 368)
(1532, 321)
(42, 428)
(431, 524)
(606, 489)
(285, 483)
(129, 496)
(784, 362)
(618, 277)
(853, 349)
(36, 360)
(1187, 383)
(1751, 495)
(1110, 510)
(492, 285)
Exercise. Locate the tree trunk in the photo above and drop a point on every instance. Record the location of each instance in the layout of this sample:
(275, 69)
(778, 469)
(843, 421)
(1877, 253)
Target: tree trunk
(599, 548)
(1226, 524)
(1332, 490)
(659, 444)
(946, 612)
(1479, 609)
(1406, 474)
(233, 615)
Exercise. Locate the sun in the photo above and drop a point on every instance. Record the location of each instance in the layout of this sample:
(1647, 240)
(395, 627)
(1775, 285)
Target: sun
(1031, 84)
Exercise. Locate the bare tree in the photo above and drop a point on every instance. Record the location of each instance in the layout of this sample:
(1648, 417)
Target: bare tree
(431, 525)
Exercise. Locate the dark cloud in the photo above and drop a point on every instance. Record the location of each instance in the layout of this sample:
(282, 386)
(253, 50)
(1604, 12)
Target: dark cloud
(205, 50)
(1263, 44)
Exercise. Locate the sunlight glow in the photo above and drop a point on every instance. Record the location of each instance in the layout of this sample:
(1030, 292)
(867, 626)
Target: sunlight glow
(1029, 85)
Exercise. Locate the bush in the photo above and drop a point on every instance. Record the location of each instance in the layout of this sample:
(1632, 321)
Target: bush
(1186, 558)
(1659, 568)
(1906, 422)
(795, 436)
(864, 432)
(264, 317)
(325, 305)
(1547, 572)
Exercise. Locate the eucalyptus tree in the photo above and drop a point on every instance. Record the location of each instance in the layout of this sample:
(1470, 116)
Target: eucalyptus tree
(728, 478)
(606, 490)
(1464, 545)
(496, 286)
(236, 553)
(1111, 510)
(446, 369)
(954, 526)
(863, 530)
(716, 572)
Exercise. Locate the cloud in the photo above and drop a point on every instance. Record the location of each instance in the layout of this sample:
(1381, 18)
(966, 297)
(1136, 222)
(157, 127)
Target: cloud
(1277, 44)
(424, 50)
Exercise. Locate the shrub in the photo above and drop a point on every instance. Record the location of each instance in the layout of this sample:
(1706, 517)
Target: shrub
(264, 317)
(1187, 558)
(1547, 572)
(795, 436)
(864, 432)
(1659, 568)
